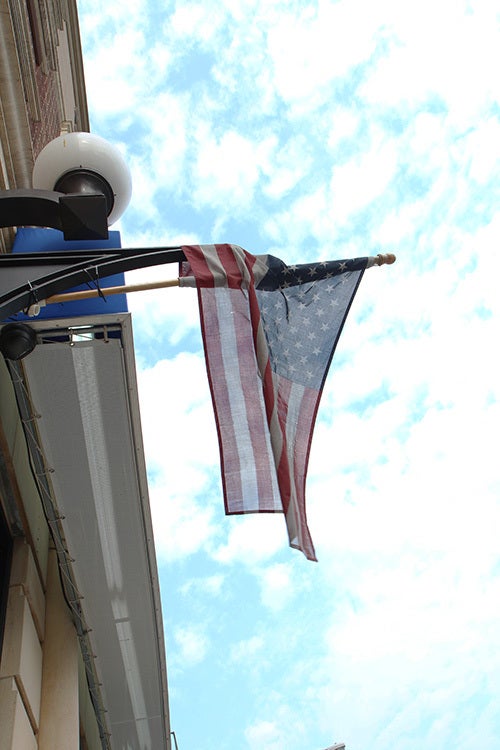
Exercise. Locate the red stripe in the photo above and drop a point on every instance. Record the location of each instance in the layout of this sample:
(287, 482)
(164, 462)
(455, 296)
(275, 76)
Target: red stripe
(269, 398)
(267, 376)
(201, 271)
(303, 430)
(294, 459)
(284, 478)
(250, 261)
(303, 437)
(264, 462)
(233, 273)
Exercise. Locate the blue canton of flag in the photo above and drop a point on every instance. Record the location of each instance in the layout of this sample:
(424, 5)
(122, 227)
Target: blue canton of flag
(312, 301)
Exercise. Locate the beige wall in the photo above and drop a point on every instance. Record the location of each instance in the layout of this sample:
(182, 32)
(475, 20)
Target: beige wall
(22, 654)
(44, 700)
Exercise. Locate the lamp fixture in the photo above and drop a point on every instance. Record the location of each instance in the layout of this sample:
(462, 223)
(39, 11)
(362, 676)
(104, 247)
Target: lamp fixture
(81, 185)
(85, 163)
(17, 340)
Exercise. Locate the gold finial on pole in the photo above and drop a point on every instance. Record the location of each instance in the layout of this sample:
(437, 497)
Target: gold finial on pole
(385, 259)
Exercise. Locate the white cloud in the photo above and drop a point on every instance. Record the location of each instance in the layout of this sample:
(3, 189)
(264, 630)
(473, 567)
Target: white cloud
(161, 158)
(252, 539)
(211, 585)
(192, 644)
(266, 735)
(181, 449)
(122, 45)
(483, 149)
(171, 312)
(412, 651)
(310, 49)
(182, 525)
(227, 170)
(343, 124)
(247, 650)
(308, 215)
(427, 59)
(196, 23)
(178, 422)
(289, 164)
(359, 182)
(275, 733)
(278, 586)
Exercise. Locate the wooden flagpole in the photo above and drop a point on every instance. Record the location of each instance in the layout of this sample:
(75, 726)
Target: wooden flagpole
(378, 260)
(88, 293)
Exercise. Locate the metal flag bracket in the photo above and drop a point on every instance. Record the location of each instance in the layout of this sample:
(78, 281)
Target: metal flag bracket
(95, 280)
(33, 307)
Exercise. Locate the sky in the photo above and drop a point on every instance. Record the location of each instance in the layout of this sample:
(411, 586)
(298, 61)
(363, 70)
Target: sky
(314, 131)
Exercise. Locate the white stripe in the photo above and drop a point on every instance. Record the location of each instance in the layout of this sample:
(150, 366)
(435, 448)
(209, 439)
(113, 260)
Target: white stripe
(240, 258)
(214, 264)
(187, 281)
(229, 349)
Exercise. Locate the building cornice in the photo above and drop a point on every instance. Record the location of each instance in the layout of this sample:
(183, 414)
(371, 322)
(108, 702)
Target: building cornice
(82, 121)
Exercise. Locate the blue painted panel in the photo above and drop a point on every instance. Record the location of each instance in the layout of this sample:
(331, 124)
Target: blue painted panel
(35, 239)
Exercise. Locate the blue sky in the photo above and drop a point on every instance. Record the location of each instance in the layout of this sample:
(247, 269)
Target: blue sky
(323, 130)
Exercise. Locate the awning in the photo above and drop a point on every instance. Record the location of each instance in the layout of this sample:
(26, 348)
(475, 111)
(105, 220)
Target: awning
(82, 384)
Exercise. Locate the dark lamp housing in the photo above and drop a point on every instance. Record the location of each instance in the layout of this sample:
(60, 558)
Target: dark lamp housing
(85, 181)
(17, 340)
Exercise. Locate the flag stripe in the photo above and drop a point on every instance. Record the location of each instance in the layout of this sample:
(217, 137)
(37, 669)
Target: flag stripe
(248, 476)
(301, 411)
(202, 264)
(284, 472)
(231, 480)
(260, 494)
(236, 272)
(234, 360)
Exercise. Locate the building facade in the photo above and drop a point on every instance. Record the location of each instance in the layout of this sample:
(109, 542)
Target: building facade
(82, 662)
(42, 85)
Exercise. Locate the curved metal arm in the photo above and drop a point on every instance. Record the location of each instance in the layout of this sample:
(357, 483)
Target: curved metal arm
(28, 278)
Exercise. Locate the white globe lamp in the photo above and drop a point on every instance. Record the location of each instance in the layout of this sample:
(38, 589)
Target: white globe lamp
(85, 163)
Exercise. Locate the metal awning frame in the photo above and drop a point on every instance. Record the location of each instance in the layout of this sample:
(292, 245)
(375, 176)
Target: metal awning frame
(47, 273)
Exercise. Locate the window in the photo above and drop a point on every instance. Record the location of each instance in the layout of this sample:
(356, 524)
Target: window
(36, 31)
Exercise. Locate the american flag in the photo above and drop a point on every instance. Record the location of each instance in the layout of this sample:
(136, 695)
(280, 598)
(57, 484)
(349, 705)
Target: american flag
(269, 334)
